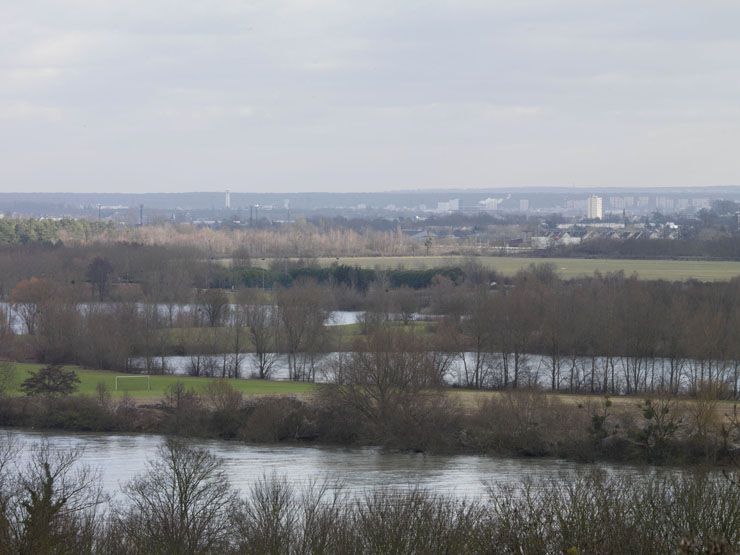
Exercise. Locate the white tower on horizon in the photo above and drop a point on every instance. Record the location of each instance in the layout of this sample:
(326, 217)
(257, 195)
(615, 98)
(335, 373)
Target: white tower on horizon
(227, 200)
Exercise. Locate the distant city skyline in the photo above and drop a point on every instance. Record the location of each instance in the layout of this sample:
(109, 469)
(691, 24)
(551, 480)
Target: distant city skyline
(323, 95)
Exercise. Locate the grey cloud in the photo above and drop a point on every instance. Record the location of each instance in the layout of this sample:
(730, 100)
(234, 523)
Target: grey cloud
(324, 94)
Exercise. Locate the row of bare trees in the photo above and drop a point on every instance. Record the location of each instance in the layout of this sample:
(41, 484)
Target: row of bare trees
(299, 239)
(601, 334)
(263, 326)
(219, 334)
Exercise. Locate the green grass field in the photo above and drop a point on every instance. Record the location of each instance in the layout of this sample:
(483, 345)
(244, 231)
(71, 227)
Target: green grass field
(673, 270)
(137, 388)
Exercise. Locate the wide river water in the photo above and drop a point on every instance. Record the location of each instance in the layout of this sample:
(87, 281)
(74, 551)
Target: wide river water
(119, 457)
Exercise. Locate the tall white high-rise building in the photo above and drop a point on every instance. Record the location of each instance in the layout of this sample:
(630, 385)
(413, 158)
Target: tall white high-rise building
(227, 200)
(594, 208)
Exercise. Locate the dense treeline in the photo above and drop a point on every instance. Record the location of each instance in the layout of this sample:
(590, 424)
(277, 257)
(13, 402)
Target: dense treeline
(147, 269)
(160, 273)
(297, 240)
(184, 503)
(607, 333)
(28, 230)
(337, 274)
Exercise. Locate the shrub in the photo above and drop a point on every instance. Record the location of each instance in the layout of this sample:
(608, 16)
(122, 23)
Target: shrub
(51, 381)
(273, 419)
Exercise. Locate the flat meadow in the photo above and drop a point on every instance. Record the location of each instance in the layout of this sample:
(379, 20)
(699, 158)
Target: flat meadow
(136, 385)
(671, 270)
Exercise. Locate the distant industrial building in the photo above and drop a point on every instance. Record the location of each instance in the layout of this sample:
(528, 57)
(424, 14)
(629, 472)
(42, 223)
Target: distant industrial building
(594, 208)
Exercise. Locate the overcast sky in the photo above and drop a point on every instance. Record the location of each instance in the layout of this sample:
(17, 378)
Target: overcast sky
(307, 95)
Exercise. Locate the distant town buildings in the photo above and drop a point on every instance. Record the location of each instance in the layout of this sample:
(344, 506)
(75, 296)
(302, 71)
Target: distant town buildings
(617, 205)
(664, 203)
(621, 203)
(700, 203)
(489, 204)
(594, 208)
(449, 206)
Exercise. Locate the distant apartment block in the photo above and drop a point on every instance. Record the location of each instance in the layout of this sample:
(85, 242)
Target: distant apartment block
(579, 205)
(701, 203)
(663, 203)
(449, 206)
(489, 204)
(524, 205)
(594, 208)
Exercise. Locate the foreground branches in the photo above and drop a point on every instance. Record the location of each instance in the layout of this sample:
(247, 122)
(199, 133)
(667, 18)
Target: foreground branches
(184, 504)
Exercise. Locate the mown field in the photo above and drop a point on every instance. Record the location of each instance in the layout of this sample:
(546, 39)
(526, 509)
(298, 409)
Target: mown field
(89, 379)
(673, 270)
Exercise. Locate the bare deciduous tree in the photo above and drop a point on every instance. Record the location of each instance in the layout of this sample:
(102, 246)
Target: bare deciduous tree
(261, 318)
(181, 504)
(303, 315)
(56, 505)
(213, 305)
(387, 373)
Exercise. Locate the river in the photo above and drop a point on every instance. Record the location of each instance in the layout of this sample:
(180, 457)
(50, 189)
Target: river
(119, 457)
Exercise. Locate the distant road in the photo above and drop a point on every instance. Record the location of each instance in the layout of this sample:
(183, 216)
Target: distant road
(673, 270)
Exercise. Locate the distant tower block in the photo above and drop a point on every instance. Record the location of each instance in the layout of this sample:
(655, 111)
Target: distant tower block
(594, 208)
(227, 200)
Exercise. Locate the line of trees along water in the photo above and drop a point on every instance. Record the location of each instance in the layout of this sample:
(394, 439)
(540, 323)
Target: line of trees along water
(661, 335)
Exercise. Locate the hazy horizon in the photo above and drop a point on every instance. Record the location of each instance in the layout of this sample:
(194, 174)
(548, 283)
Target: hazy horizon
(584, 190)
(329, 96)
